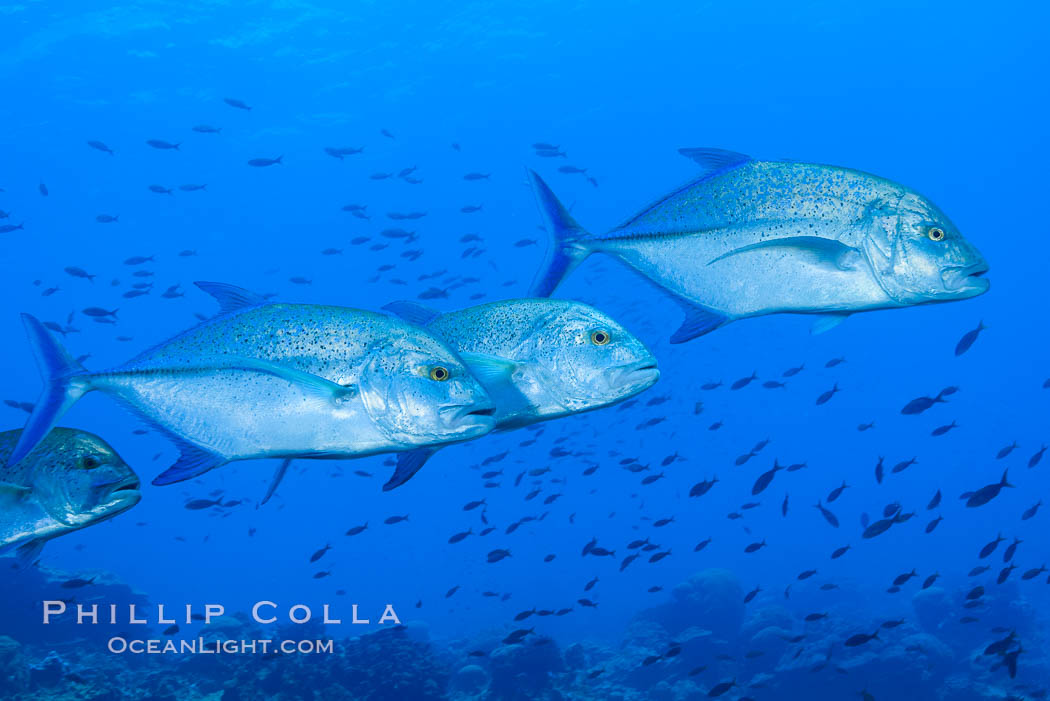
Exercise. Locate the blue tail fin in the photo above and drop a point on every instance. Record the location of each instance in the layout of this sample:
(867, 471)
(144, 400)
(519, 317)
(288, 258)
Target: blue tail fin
(65, 381)
(567, 249)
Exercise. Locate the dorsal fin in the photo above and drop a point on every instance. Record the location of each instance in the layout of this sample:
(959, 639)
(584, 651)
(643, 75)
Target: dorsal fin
(713, 159)
(230, 297)
(412, 312)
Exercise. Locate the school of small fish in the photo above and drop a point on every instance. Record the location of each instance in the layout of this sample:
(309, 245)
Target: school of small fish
(267, 379)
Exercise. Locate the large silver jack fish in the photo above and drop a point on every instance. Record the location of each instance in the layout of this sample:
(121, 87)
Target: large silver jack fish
(538, 359)
(265, 380)
(71, 480)
(750, 238)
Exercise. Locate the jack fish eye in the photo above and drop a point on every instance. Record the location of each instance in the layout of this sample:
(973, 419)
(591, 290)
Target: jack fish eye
(89, 462)
(439, 373)
(600, 338)
(935, 233)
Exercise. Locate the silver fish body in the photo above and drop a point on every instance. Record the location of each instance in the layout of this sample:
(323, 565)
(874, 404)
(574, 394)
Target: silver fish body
(751, 238)
(282, 380)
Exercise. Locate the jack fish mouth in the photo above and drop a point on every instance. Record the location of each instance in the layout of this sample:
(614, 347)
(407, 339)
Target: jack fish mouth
(470, 418)
(124, 494)
(635, 377)
(131, 484)
(966, 281)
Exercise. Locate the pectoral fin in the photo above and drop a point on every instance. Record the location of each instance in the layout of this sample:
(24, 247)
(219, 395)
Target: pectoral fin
(12, 492)
(408, 464)
(27, 554)
(490, 370)
(824, 252)
(278, 477)
(826, 322)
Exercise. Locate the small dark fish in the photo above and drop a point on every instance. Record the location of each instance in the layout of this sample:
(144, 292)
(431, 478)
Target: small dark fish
(1034, 460)
(498, 554)
(1031, 511)
(460, 536)
(320, 553)
(200, 504)
(837, 492)
(1006, 451)
(826, 396)
(968, 339)
(921, 404)
(985, 494)
(99, 146)
(904, 465)
(719, 689)
(903, 578)
(162, 145)
(396, 519)
(861, 639)
(264, 162)
(77, 583)
(234, 102)
(828, 516)
(744, 381)
(941, 430)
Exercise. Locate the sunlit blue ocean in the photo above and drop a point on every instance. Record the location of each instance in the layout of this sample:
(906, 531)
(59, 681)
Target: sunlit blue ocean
(362, 120)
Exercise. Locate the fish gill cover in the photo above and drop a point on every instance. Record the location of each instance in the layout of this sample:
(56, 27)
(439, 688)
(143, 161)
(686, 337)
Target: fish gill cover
(681, 351)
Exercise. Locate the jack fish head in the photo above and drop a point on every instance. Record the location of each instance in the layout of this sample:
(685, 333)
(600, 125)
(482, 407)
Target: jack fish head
(584, 360)
(79, 479)
(417, 391)
(918, 254)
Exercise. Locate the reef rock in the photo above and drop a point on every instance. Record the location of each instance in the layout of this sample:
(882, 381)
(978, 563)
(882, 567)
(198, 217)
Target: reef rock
(712, 600)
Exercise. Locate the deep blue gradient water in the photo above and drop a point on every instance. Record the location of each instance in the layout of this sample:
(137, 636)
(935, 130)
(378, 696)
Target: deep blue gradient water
(946, 98)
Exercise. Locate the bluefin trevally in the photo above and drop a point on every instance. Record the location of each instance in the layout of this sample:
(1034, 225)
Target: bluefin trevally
(539, 359)
(750, 237)
(265, 380)
(71, 480)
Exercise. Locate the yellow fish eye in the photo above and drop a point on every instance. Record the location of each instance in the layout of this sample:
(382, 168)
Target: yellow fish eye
(600, 338)
(439, 373)
(935, 233)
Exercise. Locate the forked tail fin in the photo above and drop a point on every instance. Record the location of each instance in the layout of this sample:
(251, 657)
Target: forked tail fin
(566, 250)
(65, 381)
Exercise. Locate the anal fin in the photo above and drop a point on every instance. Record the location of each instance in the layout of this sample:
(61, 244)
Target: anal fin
(698, 321)
(193, 461)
